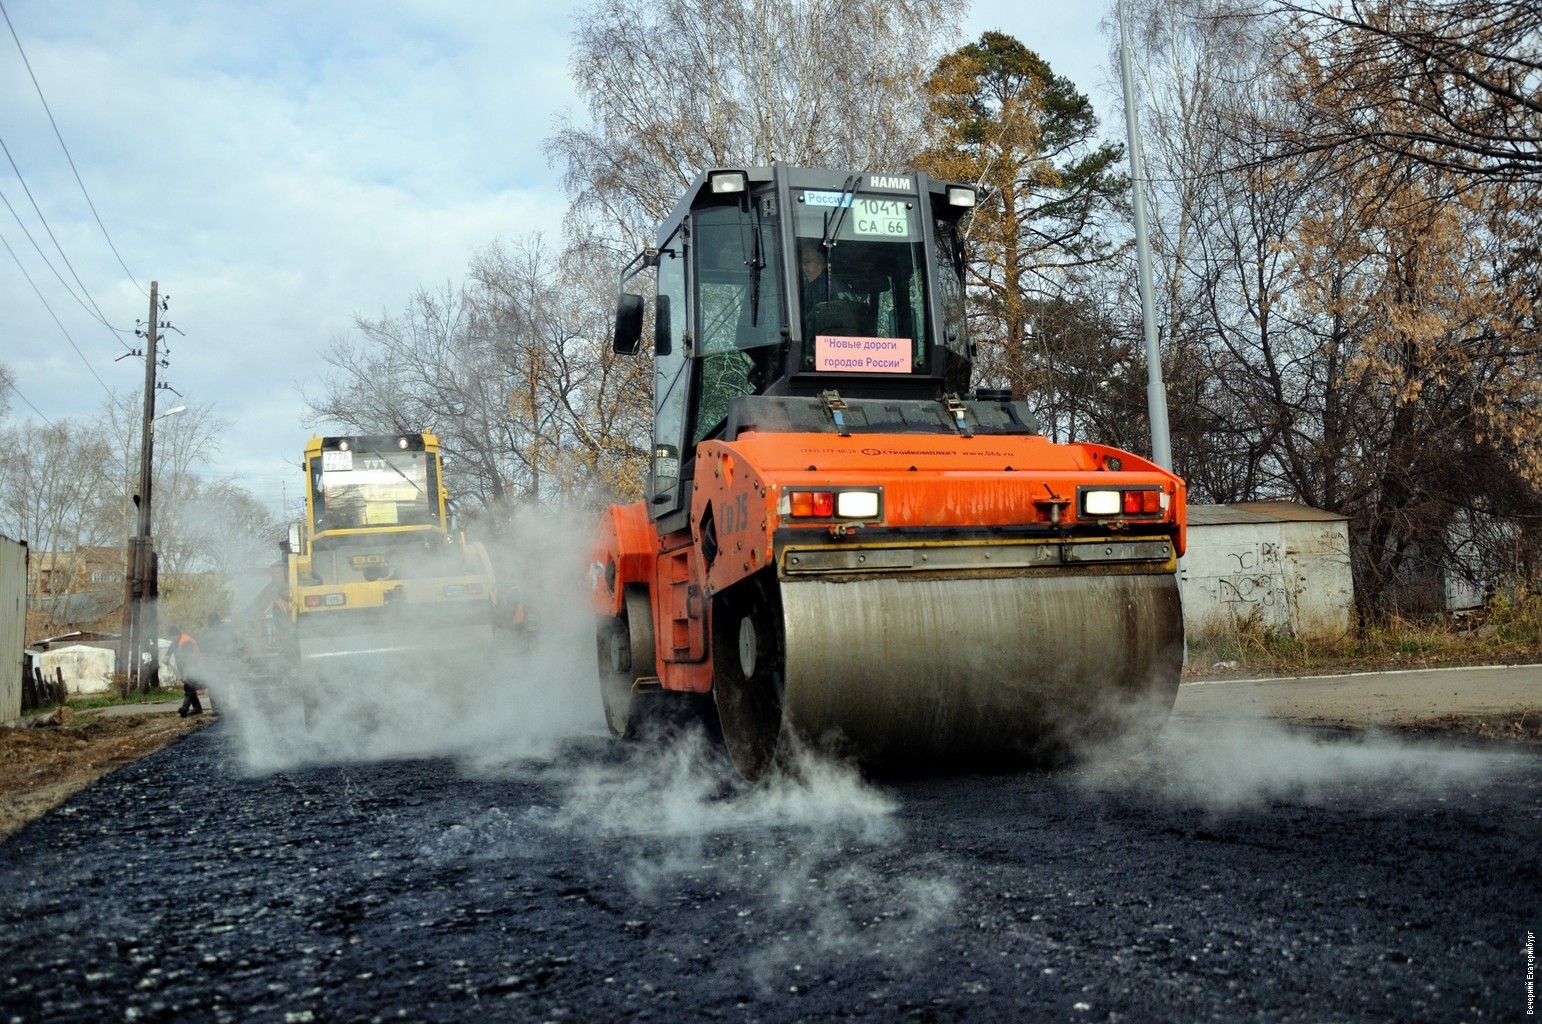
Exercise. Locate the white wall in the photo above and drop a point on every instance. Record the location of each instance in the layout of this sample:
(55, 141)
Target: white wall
(1319, 584)
(87, 670)
(1234, 572)
(1291, 576)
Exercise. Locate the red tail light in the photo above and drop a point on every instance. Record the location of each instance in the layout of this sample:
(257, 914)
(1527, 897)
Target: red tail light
(1142, 502)
(813, 504)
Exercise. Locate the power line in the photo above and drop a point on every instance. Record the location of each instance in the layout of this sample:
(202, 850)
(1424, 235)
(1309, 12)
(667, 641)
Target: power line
(51, 313)
(12, 385)
(92, 310)
(66, 149)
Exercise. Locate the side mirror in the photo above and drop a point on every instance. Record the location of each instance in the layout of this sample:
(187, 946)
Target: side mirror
(294, 539)
(629, 318)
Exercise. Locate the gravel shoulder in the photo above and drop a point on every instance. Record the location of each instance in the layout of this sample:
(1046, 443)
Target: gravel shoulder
(43, 765)
(1488, 702)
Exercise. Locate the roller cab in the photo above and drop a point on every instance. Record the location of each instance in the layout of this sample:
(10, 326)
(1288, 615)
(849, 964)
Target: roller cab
(841, 545)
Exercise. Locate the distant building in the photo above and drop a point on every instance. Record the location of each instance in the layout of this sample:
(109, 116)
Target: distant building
(69, 572)
(1285, 566)
(82, 587)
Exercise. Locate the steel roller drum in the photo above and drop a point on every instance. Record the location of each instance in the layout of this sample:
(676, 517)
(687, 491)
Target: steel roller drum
(995, 672)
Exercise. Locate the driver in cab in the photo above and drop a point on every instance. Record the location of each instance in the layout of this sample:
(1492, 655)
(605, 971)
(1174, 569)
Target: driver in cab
(828, 304)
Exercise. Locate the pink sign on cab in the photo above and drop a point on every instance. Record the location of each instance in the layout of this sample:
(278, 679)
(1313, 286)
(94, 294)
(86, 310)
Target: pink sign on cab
(862, 355)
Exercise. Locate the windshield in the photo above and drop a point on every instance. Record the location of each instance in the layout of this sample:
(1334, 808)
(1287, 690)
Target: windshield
(738, 308)
(862, 274)
(353, 490)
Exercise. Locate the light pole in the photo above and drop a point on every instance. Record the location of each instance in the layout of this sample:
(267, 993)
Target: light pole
(1156, 389)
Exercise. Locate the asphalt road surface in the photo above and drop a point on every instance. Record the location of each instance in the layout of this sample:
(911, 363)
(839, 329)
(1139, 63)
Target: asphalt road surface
(1236, 872)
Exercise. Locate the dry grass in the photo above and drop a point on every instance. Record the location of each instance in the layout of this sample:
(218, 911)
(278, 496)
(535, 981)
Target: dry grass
(1504, 633)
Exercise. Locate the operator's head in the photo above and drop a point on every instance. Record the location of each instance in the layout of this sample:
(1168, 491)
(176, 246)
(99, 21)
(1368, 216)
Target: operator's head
(812, 258)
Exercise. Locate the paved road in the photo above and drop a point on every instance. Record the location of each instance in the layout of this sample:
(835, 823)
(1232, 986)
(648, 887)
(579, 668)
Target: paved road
(1237, 871)
(1362, 699)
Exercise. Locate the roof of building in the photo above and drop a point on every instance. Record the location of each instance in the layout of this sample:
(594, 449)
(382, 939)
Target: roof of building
(1245, 512)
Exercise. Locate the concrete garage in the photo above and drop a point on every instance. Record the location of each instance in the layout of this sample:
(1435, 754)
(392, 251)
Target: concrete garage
(1283, 564)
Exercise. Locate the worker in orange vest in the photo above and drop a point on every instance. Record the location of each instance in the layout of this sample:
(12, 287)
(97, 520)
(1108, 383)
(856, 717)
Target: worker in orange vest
(190, 665)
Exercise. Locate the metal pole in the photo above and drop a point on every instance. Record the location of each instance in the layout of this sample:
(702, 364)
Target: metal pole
(1156, 390)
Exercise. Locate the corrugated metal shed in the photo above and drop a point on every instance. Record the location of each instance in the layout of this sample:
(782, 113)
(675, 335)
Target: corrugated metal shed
(1282, 564)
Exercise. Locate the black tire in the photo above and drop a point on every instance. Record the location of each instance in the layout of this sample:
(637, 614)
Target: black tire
(747, 664)
(625, 653)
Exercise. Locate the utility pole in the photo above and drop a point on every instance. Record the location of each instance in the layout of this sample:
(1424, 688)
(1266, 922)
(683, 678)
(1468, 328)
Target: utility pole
(139, 615)
(1156, 388)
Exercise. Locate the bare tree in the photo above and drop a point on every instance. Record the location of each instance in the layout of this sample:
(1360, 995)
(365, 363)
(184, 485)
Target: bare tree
(590, 405)
(1451, 84)
(674, 86)
(514, 373)
(52, 478)
(1356, 317)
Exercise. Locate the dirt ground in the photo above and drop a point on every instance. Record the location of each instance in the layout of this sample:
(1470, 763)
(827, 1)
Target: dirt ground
(43, 765)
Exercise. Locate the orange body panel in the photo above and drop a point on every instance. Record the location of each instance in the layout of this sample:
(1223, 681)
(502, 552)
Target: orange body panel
(975, 485)
(625, 548)
(629, 551)
(932, 482)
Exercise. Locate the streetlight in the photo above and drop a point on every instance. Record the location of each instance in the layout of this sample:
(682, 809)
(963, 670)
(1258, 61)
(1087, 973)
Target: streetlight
(1156, 387)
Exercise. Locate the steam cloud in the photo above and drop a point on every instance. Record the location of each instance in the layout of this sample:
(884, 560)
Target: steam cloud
(795, 848)
(1230, 765)
(522, 697)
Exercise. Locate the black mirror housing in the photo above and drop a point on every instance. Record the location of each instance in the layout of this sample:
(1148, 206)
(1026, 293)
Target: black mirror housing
(629, 318)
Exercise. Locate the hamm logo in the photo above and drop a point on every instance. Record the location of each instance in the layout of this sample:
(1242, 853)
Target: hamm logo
(880, 181)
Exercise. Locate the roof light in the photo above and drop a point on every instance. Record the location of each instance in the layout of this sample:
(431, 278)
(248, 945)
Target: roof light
(401, 442)
(961, 195)
(727, 181)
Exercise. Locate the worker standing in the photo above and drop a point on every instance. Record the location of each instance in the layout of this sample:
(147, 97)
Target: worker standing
(190, 666)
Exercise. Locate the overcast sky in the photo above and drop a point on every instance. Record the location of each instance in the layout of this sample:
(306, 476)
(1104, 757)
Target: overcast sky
(280, 166)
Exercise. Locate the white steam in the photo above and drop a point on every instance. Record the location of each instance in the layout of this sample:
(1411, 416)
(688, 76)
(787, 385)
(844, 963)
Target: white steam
(519, 696)
(1236, 764)
(796, 850)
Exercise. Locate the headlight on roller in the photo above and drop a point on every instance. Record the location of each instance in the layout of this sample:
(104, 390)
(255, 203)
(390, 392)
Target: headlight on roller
(856, 504)
(1101, 503)
(1139, 502)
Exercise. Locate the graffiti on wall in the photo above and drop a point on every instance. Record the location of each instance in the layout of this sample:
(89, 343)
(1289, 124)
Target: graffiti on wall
(1252, 580)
